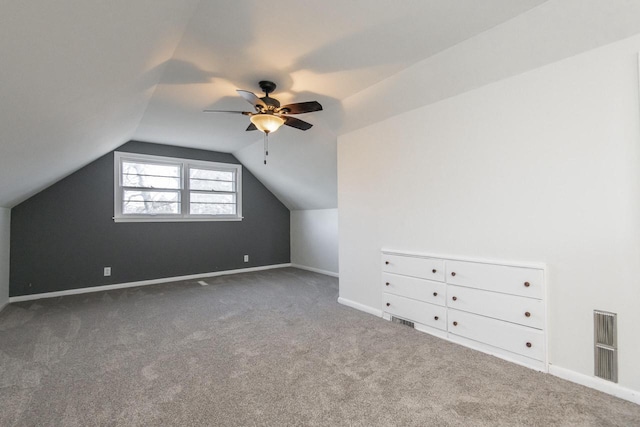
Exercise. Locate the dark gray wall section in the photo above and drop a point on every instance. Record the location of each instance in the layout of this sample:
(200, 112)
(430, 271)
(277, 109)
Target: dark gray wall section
(64, 236)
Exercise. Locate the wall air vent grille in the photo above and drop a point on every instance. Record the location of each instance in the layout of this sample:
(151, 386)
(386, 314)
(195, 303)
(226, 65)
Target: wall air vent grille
(402, 321)
(606, 345)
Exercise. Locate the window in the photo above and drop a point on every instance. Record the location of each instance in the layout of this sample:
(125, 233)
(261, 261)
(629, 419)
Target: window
(153, 188)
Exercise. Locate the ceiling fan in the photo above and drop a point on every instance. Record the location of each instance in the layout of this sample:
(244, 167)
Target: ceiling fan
(269, 115)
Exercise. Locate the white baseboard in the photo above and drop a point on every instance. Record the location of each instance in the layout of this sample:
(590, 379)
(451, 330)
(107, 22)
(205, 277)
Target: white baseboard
(361, 307)
(3, 306)
(316, 270)
(566, 374)
(143, 283)
(596, 383)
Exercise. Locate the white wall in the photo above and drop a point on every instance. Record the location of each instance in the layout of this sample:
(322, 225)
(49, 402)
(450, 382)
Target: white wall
(314, 239)
(554, 30)
(5, 222)
(540, 167)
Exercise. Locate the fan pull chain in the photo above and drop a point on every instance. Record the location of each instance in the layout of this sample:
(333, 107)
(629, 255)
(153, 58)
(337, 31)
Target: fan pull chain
(266, 146)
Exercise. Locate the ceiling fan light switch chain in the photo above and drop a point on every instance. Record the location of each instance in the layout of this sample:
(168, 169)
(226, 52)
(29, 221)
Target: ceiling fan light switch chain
(266, 142)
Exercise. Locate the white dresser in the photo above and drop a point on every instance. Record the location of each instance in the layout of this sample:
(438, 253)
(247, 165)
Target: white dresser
(495, 307)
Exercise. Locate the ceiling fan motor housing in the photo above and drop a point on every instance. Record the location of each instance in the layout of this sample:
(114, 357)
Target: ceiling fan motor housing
(272, 103)
(269, 115)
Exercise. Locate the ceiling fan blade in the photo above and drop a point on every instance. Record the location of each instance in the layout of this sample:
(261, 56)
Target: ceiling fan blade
(301, 107)
(252, 127)
(251, 98)
(296, 123)
(246, 113)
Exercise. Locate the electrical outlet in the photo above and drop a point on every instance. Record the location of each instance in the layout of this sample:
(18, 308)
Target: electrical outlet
(246, 258)
(107, 271)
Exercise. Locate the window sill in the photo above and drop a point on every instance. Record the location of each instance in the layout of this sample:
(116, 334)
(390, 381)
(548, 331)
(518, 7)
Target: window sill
(180, 219)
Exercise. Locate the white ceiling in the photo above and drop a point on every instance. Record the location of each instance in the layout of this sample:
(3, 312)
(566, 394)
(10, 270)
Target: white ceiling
(80, 78)
(75, 80)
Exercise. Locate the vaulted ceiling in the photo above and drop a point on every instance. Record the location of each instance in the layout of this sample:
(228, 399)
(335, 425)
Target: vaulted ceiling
(80, 78)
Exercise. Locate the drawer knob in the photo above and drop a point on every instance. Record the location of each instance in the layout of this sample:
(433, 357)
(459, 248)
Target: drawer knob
(527, 284)
(436, 317)
(455, 298)
(387, 283)
(455, 323)
(529, 344)
(453, 273)
(527, 314)
(388, 304)
(434, 270)
(386, 262)
(435, 294)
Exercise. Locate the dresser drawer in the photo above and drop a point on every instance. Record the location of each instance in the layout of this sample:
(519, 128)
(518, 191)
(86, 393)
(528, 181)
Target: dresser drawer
(507, 336)
(499, 278)
(416, 311)
(516, 309)
(425, 268)
(412, 287)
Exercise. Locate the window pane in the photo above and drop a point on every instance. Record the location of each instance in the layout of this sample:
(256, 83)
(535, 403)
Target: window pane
(212, 204)
(152, 186)
(151, 202)
(206, 185)
(211, 180)
(149, 175)
(212, 198)
(211, 174)
(212, 209)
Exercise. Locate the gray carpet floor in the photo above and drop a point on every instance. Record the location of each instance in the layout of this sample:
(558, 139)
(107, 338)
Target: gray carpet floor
(272, 348)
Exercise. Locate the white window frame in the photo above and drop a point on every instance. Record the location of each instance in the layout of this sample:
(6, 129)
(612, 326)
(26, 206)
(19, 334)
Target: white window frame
(185, 191)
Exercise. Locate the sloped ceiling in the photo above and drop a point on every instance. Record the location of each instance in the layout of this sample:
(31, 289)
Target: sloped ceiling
(313, 50)
(75, 80)
(80, 78)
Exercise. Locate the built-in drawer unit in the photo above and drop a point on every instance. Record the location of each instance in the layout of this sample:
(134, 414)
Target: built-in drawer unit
(426, 268)
(526, 282)
(512, 308)
(496, 307)
(412, 287)
(517, 339)
(417, 311)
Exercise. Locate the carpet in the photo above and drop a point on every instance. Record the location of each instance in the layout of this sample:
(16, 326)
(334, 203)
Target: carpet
(270, 348)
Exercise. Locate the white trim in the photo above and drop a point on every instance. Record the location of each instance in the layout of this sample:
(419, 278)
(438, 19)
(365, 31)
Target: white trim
(509, 263)
(143, 283)
(152, 218)
(316, 270)
(361, 307)
(596, 383)
(185, 191)
(547, 321)
(566, 374)
(3, 306)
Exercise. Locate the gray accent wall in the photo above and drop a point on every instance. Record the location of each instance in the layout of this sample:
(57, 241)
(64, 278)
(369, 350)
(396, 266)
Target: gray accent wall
(64, 236)
(5, 224)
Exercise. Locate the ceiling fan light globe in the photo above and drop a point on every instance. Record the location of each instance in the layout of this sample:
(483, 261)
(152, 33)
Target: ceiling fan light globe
(267, 123)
